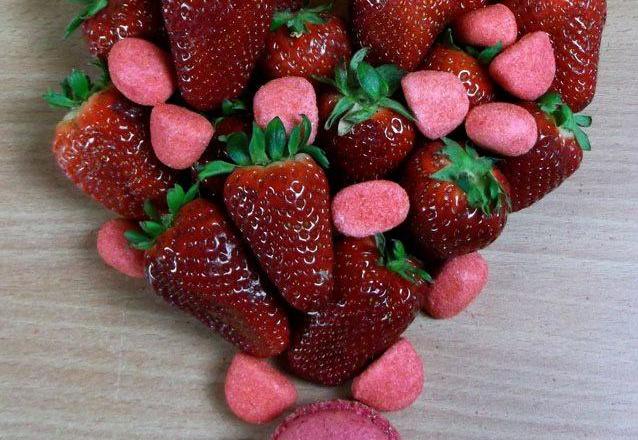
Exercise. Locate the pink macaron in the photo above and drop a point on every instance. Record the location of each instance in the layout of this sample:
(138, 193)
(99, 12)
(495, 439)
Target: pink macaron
(114, 249)
(487, 26)
(141, 71)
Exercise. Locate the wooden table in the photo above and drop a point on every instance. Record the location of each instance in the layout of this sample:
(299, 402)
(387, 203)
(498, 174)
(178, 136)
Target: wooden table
(549, 351)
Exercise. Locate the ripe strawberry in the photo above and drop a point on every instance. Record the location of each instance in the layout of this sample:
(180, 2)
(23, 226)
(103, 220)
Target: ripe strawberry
(457, 200)
(279, 201)
(379, 295)
(195, 261)
(366, 134)
(215, 46)
(288, 5)
(306, 43)
(103, 145)
(401, 31)
(556, 155)
(105, 22)
(576, 30)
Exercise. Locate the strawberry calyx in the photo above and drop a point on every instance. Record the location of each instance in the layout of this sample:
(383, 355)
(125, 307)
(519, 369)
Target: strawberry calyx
(231, 107)
(363, 90)
(264, 147)
(157, 224)
(91, 8)
(297, 21)
(397, 260)
(483, 56)
(566, 120)
(77, 88)
(473, 174)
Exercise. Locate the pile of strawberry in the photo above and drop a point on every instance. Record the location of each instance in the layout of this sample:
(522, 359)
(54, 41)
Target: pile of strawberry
(279, 225)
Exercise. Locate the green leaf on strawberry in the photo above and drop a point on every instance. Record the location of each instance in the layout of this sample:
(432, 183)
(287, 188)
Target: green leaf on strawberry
(397, 260)
(566, 120)
(297, 22)
(76, 89)
(91, 8)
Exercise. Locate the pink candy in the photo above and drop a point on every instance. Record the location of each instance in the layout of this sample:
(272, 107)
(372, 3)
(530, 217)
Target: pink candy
(369, 208)
(527, 68)
(114, 249)
(141, 71)
(289, 98)
(438, 100)
(255, 391)
(392, 382)
(504, 128)
(487, 26)
(178, 135)
(458, 283)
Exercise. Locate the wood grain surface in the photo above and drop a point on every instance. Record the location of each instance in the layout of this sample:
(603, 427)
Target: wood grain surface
(549, 351)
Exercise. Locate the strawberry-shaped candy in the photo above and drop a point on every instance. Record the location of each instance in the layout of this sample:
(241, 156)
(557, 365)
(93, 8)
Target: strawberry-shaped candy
(378, 293)
(305, 43)
(576, 30)
(215, 46)
(196, 261)
(366, 133)
(401, 31)
(105, 22)
(103, 145)
(458, 200)
(556, 155)
(278, 197)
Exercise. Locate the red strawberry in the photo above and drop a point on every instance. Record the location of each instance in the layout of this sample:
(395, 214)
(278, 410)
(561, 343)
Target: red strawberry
(105, 22)
(457, 200)
(555, 157)
(306, 43)
(278, 198)
(576, 30)
(401, 31)
(378, 299)
(215, 46)
(103, 145)
(367, 134)
(290, 5)
(196, 261)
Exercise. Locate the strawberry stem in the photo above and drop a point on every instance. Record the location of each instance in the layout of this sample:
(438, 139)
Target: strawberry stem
(77, 88)
(553, 106)
(297, 22)
(398, 261)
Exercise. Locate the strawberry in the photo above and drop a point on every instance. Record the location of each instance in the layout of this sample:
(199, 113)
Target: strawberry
(576, 30)
(277, 196)
(401, 31)
(366, 133)
(556, 155)
(458, 200)
(105, 22)
(103, 145)
(195, 261)
(378, 297)
(215, 46)
(469, 65)
(305, 43)
(288, 5)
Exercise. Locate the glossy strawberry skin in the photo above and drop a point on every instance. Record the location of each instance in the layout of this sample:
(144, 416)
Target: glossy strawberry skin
(200, 266)
(105, 150)
(473, 75)
(402, 31)
(283, 213)
(553, 159)
(372, 149)
(374, 307)
(315, 53)
(122, 19)
(576, 30)
(441, 222)
(215, 46)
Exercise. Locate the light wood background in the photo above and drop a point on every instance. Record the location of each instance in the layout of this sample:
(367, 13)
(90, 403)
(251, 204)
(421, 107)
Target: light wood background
(549, 351)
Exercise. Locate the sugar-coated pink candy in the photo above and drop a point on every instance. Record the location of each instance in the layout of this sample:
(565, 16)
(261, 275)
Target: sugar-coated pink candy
(504, 128)
(141, 71)
(255, 391)
(527, 68)
(179, 136)
(392, 382)
(487, 26)
(369, 208)
(114, 249)
(438, 100)
(459, 282)
(335, 420)
(289, 98)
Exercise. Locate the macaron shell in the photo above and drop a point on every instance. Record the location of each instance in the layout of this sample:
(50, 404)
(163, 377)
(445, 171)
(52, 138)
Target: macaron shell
(487, 26)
